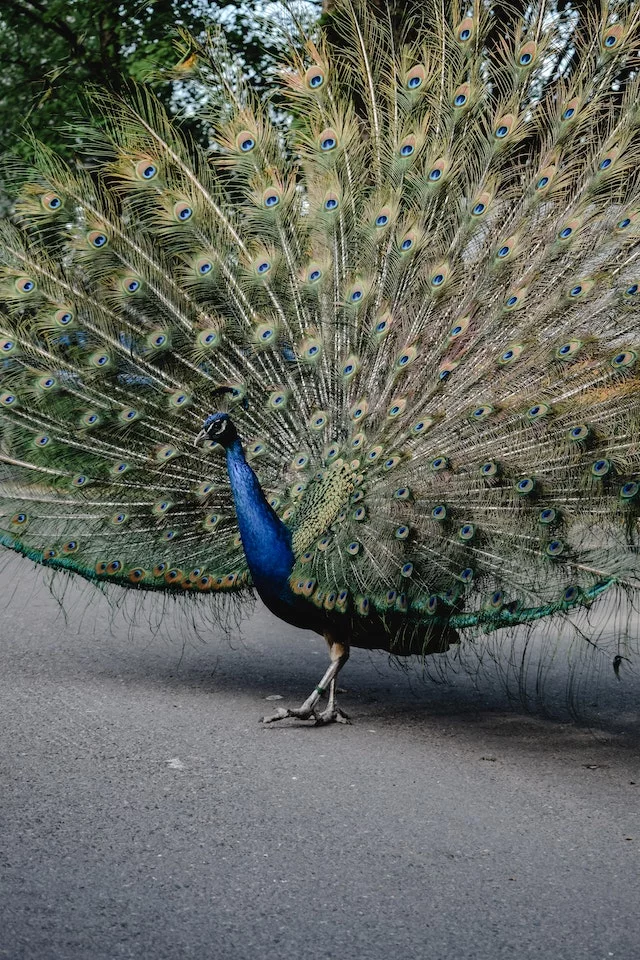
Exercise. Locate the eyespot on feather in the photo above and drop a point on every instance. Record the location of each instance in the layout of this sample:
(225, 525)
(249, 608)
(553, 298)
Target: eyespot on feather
(415, 78)
(182, 211)
(64, 317)
(461, 97)
(612, 38)
(579, 289)
(466, 30)
(515, 301)
(437, 171)
(25, 285)
(526, 55)
(570, 110)
(271, 197)
(511, 353)
(315, 78)
(544, 179)
(131, 285)
(438, 278)
(459, 328)
(331, 201)
(503, 127)
(506, 250)
(328, 140)
(624, 359)
(246, 141)
(51, 202)
(480, 205)
(97, 239)
(359, 410)
(407, 147)
(606, 163)
(146, 170)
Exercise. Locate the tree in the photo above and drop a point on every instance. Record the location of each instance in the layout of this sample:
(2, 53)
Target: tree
(54, 48)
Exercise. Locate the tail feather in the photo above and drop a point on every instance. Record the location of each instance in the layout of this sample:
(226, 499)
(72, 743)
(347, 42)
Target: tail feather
(423, 297)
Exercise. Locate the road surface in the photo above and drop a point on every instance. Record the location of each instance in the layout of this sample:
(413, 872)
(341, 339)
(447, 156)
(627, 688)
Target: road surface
(144, 812)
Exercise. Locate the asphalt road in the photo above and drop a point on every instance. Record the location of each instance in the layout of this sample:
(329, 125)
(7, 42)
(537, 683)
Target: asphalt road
(144, 812)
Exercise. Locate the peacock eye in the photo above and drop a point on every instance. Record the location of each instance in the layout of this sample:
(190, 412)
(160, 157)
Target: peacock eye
(460, 100)
(566, 232)
(605, 164)
(331, 203)
(478, 209)
(503, 251)
(525, 59)
(406, 244)
(356, 296)
(526, 485)
(511, 302)
(630, 490)
(315, 275)
(575, 291)
(569, 112)
(382, 220)
(623, 224)
(601, 467)
(610, 41)
(465, 34)
(414, 83)
(542, 182)
(205, 268)
(407, 149)
(632, 290)
(271, 200)
(437, 280)
(247, 144)
(328, 144)
(555, 548)
(316, 81)
(548, 515)
(435, 174)
(52, 202)
(502, 131)
(183, 211)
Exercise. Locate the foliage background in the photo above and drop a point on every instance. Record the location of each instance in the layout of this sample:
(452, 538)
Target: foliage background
(51, 49)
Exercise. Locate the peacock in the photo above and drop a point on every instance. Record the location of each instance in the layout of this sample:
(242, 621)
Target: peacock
(373, 353)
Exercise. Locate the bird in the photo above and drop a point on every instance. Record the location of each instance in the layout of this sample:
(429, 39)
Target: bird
(371, 353)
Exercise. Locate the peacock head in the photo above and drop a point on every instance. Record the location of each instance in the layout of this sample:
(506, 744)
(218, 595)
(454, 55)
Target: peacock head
(219, 428)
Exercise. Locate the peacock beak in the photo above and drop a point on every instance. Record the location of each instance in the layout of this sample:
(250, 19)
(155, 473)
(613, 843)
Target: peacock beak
(201, 436)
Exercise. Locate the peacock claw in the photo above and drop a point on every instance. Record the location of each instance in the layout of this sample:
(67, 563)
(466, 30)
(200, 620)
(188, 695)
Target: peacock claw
(283, 714)
(332, 715)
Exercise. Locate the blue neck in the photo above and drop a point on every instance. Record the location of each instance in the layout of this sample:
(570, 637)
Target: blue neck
(265, 538)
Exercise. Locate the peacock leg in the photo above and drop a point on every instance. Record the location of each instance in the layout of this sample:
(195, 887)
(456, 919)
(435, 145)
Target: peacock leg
(339, 654)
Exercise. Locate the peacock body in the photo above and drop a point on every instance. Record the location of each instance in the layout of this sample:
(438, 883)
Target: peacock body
(409, 322)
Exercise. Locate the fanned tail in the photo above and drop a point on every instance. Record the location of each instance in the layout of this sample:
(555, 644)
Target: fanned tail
(422, 299)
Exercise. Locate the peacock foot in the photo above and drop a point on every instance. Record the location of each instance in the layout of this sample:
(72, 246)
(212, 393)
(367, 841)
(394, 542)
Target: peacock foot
(339, 654)
(301, 713)
(333, 714)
